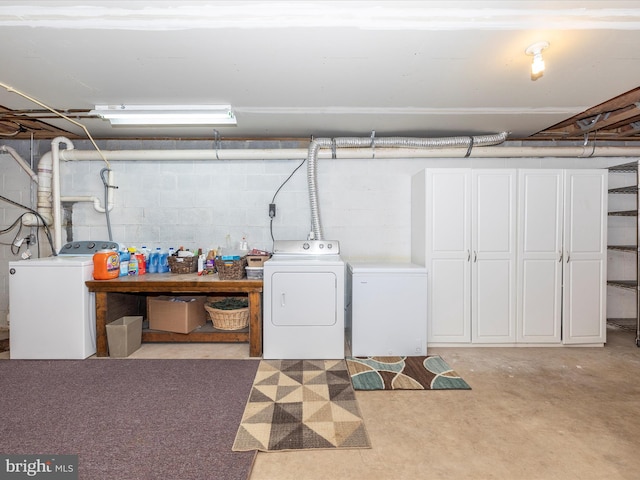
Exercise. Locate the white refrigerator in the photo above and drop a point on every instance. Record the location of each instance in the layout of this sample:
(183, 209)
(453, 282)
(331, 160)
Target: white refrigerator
(51, 311)
(386, 309)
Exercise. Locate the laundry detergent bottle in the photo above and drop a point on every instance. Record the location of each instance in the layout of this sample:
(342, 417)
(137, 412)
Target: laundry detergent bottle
(106, 265)
(124, 262)
(154, 260)
(163, 262)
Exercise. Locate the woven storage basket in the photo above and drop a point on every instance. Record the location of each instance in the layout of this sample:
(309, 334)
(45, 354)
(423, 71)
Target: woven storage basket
(183, 264)
(231, 269)
(235, 319)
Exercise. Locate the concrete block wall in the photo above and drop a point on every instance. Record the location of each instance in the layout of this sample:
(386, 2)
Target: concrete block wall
(14, 185)
(365, 204)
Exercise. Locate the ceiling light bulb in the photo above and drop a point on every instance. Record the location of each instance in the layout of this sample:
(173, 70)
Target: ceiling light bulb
(537, 65)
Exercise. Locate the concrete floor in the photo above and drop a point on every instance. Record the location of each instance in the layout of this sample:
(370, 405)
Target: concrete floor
(533, 413)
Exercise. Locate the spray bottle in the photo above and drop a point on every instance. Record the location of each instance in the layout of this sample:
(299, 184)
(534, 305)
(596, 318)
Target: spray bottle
(133, 261)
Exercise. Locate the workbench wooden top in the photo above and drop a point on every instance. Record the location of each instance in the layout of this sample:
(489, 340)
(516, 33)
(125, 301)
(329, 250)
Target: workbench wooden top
(162, 282)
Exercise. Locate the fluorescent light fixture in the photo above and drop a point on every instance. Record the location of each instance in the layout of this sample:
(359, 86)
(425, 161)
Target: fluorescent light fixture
(537, 65)
(166, 114)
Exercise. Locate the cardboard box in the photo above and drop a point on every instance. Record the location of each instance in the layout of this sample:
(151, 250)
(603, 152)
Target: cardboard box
(176, 314)
(124, 336)
(257, 260)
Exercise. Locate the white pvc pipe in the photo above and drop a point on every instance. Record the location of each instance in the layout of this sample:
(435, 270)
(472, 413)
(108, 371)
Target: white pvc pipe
(90, 199)
(95, 200)
(44, 205)
(16, 156)
(55, 182)
(351, 153)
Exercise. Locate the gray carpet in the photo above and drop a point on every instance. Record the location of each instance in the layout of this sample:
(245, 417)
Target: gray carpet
(129, 419)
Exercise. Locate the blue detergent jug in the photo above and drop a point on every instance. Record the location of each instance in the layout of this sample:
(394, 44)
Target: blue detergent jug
(154, 261)
(163, 262)
(124, 262)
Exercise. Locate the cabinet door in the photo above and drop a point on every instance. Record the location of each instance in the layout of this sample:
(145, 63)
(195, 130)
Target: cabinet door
(448, 253)
(493, 278)
(585, 240)
(540, 224)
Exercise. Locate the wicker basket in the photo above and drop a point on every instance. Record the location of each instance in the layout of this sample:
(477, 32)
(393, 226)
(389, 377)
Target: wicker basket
(231, 269)
(235, 319)
(183, 264)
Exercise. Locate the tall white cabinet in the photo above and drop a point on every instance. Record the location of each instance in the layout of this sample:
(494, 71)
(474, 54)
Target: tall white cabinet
(584, 298)
(540, 255)
(514, 256)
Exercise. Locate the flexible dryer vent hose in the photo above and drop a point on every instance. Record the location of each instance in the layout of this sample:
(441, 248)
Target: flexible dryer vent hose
(384, 142)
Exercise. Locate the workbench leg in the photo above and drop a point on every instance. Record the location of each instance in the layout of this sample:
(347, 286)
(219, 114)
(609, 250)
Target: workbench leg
(255, 324)
(102, 350)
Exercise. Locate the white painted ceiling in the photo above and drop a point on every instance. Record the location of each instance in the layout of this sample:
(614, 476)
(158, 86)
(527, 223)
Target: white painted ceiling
(303, 68)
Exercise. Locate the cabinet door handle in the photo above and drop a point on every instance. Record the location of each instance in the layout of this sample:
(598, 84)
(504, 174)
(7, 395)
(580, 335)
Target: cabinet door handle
(568, 257)
(282, 300)
(468, 255)
(475, 256)
(560, 252)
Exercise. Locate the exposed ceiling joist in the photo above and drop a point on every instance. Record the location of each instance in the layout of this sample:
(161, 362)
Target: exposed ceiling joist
(614, 118)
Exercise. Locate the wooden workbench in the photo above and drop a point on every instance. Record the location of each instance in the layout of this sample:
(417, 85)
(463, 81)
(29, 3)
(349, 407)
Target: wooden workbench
(127, 296)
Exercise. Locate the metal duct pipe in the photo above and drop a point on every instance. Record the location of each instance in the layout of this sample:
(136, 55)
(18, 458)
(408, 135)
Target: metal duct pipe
(384, 143)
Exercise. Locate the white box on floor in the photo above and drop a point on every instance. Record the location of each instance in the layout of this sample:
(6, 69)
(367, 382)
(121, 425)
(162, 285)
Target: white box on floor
(386, 309)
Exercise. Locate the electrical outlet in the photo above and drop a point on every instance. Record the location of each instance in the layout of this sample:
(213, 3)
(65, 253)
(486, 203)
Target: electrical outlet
(32, 239)
(272, 210)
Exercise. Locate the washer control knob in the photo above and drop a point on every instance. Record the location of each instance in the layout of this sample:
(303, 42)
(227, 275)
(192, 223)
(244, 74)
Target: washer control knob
(329, 246)
(306, 246)
(321, 246)
(91, 245)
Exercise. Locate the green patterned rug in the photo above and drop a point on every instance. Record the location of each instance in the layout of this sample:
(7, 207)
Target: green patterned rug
(301, 404)
(403, 373)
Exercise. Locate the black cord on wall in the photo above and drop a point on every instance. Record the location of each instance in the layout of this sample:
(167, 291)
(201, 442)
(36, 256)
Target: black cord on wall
(19, 222)
(273, 200)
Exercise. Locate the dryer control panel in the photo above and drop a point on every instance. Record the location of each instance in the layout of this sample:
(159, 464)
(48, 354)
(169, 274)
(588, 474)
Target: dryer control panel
(306, 247)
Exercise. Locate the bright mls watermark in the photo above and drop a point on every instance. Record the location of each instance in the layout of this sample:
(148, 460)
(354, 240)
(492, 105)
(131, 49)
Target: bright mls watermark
(49, 467)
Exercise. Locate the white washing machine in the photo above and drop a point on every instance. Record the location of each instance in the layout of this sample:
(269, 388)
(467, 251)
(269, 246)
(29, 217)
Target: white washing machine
(304, 301)
(386, 309)
(52, 313)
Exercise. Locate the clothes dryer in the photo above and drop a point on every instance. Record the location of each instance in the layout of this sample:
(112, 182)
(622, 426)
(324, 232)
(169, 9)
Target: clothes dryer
(304, 301)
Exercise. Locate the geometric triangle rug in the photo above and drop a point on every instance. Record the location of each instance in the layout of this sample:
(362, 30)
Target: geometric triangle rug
(301, 404)
(403, 373)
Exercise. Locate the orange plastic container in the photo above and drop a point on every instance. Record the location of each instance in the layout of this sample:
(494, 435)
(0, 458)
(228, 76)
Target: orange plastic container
(106, 265)
(142, 267)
